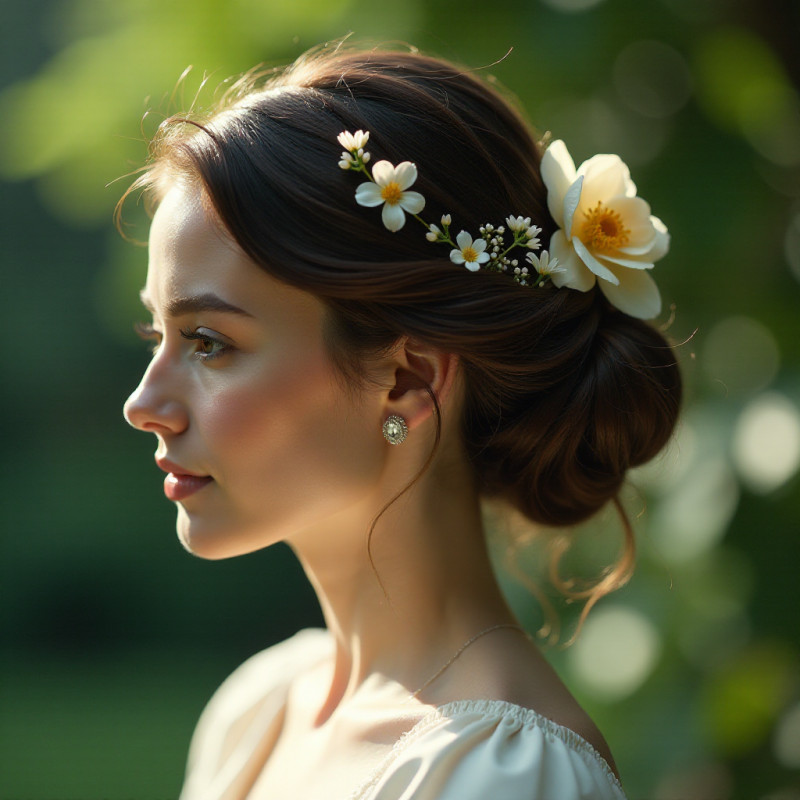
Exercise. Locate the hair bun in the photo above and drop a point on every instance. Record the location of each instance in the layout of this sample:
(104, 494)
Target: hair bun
(612, 404)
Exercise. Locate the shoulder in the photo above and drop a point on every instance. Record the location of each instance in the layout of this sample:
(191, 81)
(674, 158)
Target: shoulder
(249, 700)
(473, 749)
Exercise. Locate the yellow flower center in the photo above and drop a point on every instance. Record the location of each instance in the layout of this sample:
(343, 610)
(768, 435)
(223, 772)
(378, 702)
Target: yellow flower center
(604, 230)
(470, 254)
(391, 193)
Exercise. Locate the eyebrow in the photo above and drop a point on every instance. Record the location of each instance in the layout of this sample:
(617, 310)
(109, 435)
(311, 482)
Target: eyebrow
(193, 303)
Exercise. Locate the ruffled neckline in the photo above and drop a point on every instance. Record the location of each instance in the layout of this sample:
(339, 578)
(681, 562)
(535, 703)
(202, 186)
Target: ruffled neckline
(525, 717)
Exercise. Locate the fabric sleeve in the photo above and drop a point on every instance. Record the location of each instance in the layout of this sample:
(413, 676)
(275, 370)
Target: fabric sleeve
(485, 749)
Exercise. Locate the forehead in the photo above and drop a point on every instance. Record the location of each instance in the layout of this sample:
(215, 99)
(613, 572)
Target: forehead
(186, 240)
(192, 255)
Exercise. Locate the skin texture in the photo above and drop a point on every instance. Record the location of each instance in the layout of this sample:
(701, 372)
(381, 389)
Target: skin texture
(297, 457)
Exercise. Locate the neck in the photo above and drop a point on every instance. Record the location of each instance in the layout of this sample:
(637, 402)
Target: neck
(402, 606)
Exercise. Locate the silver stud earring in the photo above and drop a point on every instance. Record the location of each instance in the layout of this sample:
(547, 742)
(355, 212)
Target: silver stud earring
(395, 429)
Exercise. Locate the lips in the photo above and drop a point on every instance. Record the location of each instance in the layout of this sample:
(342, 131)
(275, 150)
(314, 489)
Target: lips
(180, 483)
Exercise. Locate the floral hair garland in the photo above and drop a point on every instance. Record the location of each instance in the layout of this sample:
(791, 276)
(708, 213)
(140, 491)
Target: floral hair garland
(605, 235)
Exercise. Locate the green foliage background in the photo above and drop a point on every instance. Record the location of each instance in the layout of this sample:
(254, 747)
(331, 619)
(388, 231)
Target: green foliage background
(113, 638)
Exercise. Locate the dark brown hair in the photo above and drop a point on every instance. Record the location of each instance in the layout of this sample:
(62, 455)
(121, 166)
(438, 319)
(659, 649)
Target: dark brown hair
(563, 392)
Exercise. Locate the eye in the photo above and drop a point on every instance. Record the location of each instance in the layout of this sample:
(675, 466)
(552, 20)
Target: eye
(208, 347)
(144, 330)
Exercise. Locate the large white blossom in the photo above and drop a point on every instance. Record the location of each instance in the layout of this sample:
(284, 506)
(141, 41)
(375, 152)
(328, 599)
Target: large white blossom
(470, 253)
(606, 233)
(389, 190)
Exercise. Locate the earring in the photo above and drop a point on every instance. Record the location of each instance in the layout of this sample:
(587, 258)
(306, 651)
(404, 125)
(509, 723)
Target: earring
(395, 429)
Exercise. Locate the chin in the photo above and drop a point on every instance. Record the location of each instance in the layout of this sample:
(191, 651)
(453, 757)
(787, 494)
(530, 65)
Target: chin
(215, 542)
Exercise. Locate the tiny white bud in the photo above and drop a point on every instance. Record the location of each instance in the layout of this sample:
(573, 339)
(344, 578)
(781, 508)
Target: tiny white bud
(431, 236)
(514, 262)
(366, 157)
(344, 164)
(445, 219)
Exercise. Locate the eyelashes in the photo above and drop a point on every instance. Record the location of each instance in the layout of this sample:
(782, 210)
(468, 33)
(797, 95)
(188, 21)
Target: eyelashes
(208, 349)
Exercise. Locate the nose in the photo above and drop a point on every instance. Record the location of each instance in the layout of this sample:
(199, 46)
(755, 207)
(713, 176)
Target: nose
(155, 405)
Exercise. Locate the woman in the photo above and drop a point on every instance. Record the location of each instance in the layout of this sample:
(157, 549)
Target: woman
(300, 310)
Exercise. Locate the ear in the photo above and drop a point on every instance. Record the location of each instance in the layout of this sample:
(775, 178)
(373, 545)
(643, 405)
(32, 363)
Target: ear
(420, 369)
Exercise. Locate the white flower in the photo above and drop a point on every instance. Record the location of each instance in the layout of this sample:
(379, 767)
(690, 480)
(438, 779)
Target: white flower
(533, 237)
(353, 141)
(606, 232)
(446, 220)
(543, 264)
(433, 234)
(389, 190)
(517, 223)
(471, 254)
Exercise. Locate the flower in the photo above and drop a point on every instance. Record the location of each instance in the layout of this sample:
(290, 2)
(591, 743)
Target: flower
(433, 233)
(518, 223)
(353, 141)
(607, 233)
(388, 188)
(471, 253)
(543, 264)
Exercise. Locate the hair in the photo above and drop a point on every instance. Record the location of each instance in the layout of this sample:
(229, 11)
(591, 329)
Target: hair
(563, 393)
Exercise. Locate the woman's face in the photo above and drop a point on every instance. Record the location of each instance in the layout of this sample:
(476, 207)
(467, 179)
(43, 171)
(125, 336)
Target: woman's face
(261, 438)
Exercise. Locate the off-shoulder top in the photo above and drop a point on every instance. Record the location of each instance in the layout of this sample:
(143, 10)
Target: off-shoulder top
(465, 750)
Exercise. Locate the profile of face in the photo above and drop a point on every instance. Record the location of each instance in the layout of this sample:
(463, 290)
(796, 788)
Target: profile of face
(250, 416)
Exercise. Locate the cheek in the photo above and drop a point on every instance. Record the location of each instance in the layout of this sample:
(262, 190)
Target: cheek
(287, 437)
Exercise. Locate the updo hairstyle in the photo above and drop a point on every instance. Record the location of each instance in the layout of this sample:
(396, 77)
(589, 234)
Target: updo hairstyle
(563, 392)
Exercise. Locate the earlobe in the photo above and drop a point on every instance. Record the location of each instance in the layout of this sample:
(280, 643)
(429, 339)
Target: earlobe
(423, 382)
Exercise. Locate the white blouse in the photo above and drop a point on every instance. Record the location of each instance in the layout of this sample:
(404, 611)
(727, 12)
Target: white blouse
(465, 750)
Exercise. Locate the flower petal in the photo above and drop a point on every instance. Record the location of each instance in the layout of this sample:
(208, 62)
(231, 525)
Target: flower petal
(479, 245)
(572, 199)
(405, 173)
(594, 265)
(606, 176)
(413, 202)
(368, 194)
(661, 245)
(456, 256)
(463, 240)
(472, 266)
(383, 172)
(482, 258)
(558, 173)
(629, 263)
(635, 214)
(637, 295)
(393, 217)
(575, 274)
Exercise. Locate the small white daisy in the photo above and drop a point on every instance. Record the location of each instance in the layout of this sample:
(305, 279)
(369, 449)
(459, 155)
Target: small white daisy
(353, 141)
(471, 253)
(389, 190)
(518, 223)
(543, 264)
